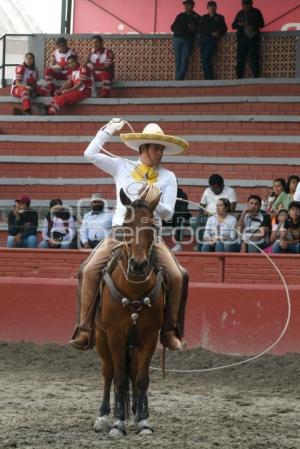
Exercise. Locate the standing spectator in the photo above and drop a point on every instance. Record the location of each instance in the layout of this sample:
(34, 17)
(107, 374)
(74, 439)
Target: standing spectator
(290, 233)
(248, 22)
(25, 83)
(96, 224)
(100, 62)
(180, 219)
(212, 27)
(254, 225)
(184, 29)
(286, 197)
(77, 88)
(58, 229)
(220, 233)
(58, 69)
(22, 225)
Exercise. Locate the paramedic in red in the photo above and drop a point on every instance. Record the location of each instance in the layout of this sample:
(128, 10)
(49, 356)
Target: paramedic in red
(100, 62)
(77, 88)
(25, 82)
(58, 69)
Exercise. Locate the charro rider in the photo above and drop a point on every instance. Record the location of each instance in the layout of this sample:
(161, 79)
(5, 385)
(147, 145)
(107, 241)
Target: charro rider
(151, 144)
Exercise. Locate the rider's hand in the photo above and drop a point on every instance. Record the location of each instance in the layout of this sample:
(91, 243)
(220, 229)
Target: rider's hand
(116, 124)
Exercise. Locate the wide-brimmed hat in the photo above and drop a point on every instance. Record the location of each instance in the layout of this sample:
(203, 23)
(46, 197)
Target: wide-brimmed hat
(152, 133)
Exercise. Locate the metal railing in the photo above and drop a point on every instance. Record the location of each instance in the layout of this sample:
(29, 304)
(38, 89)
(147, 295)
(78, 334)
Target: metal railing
(3, 40)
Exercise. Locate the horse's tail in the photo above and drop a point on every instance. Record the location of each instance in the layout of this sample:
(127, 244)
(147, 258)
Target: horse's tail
(127, 383)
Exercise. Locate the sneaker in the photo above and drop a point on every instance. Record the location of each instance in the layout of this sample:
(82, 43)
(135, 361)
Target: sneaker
(177, 248)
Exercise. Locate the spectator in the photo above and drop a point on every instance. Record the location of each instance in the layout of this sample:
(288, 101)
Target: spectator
(289, 234)
(278, 226)
(287, 196)
(279, 185)
(208, 202)
(96, 224)
(58, 69)
(248, 22)
(181, 218)
(297, 193)
(25, 84)
(212, 27)
(100, 62)
(22, 225)
(77, 88)
(184, 29)
(254, 225)
(220, 233)
(58, 229)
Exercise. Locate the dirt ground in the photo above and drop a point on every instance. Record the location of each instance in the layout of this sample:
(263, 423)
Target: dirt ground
(50, 395)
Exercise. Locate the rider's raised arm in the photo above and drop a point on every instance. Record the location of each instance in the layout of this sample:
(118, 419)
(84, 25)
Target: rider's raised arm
(93, 153)
(165, 207)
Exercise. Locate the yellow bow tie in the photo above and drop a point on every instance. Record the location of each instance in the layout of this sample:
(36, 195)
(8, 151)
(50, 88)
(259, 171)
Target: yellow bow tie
(144, 173)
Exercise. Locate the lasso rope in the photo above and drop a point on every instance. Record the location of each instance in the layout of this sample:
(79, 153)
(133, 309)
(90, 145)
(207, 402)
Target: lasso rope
(284, 283)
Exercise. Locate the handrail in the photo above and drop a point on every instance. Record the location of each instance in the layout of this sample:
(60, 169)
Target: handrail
(4, 65)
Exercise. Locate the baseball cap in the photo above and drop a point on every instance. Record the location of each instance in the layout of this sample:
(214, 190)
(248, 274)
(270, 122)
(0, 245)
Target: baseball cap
(96, 197)
(23, 199)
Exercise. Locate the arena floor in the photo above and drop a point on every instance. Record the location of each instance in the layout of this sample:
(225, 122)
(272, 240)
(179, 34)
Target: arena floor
(49, 398)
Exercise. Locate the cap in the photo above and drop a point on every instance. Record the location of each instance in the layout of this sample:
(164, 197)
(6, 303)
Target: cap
(191, 2)
(23, 199)
(96, 197)
(247, 2)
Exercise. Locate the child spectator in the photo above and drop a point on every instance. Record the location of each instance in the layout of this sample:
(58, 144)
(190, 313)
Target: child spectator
(22, 225)
(220, 233)
(59, 64)
(254, 225)
(25, 84)
(278, 226)
(77, 88)
(58, 229)
(181, 218)
(286, 197)
(290, 232)
(100, 62)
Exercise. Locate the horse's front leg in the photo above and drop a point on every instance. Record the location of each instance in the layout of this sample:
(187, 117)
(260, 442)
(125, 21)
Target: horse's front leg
(102, 421)
(142, 384)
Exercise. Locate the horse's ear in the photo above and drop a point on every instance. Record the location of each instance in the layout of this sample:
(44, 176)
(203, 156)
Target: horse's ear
(154, 203)
(124, 198)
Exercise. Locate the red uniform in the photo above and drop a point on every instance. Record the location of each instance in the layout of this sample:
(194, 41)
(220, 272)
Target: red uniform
(27, 77)
(61, 71)
(101, 64)
(80, 74)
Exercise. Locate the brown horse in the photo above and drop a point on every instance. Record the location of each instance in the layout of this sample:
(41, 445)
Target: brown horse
(129, 319)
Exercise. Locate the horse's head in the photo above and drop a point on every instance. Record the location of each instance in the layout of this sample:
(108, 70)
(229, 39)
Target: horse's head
(139, 232)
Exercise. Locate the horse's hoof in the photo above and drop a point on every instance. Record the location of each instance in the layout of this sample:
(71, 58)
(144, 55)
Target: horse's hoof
(101, 424)
(145, 431)
(143, 428)
(118, 429)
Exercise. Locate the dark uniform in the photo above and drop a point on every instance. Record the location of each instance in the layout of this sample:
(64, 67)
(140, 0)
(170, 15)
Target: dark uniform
(210, 29)
(184, 29)
(248, 39)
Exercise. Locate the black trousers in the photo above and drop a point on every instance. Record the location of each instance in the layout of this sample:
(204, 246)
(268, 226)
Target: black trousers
(247, 47)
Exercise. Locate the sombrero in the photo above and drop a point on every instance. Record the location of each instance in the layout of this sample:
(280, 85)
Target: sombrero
(152, 133)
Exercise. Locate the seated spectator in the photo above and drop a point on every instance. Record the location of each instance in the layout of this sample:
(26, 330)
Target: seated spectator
(210, 197)
(220, 233)
(96, 224)
(22, 225)
(255, 226)
(100, 62)
(58, 229)
(277, 227)
(287, 196)
(289, 233)
(181, 218)
(25, 84)
(77, 88)
(279, 185)
(59, 64)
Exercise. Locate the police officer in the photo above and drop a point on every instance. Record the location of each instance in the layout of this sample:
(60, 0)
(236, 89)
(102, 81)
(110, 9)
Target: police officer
(248, 22)
(184, 29)
(211, 28)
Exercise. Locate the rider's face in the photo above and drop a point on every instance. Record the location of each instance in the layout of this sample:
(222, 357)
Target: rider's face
(152, 155)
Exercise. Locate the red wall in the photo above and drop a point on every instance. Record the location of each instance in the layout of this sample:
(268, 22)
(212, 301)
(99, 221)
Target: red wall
(156, 16)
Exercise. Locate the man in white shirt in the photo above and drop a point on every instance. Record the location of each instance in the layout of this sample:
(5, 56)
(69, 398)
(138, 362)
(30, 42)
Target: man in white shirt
(151, 144)
(96, 224)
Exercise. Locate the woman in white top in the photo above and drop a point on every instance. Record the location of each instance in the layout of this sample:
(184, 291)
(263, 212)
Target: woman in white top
(220, 234)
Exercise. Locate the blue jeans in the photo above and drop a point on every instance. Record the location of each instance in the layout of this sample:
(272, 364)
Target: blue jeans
(27, 242)
(63, 245)
(219, 247)
(291, 249)
(183, 48)
(207, 46)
